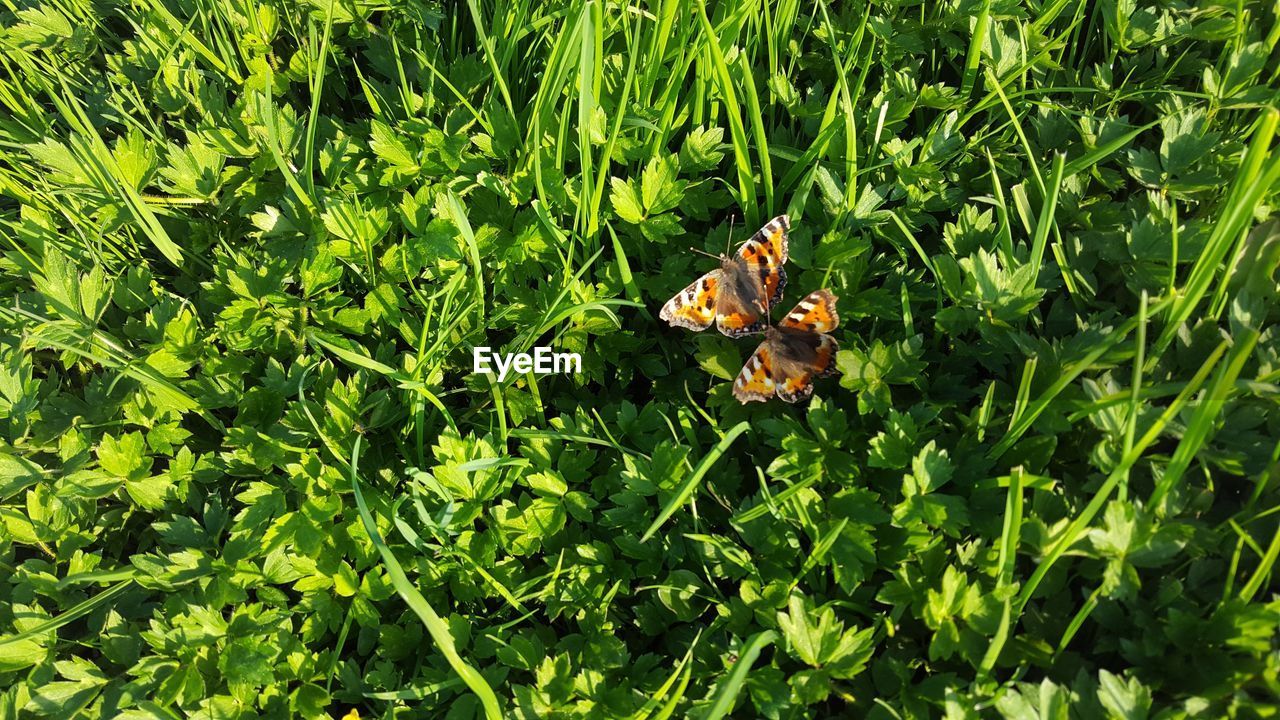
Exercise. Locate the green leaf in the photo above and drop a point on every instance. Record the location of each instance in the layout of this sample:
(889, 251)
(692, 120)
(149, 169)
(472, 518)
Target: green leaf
(892, 448)
(822, 641)
(17, 474)
(718, 356)
(18, 654)
(930, 470)
(193, 171)
(625, 201)
(660, 191)
(149, 492)
(548, 484)
(63, 699)
(124, 456)
(1129, 700)
(703, 149)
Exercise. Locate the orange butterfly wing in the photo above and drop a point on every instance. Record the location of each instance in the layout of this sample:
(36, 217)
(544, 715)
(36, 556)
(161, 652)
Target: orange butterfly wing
(812, 353)
(816, 313)
(735, 320)
(755, 382)
(695, 306)
(765, 254)
(799, 385)
(770, 240)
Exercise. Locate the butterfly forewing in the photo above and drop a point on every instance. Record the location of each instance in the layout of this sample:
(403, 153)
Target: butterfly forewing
(816, 313)
(770, 240)
(763, 257)
(695, 306)
(755, 382)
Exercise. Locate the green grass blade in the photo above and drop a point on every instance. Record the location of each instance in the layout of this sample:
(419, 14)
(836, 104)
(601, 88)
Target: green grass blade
(1259, 171)
(436, 627)
(669, 707)
(915, 244)
(727, 690)
(758, 132)
(847, 100)
(1065, 378)
(683, 671)
(316, 81)
(1265, 565)
(1075, 530)
(606, 153)
(268, 106)
(183, 32)
(590, 71)
(690, 483)
(741, 154)
(354, 358)
(1009, 536)
(974, 56)
(1200, 426)
(820, 550)
(1005, 235)
(100, 164)
(1104, 151)
(1014, 120)
(763, 508)
(490, 57)
(1077, 621)
(459, 218)
(70, 615)
(658, 47)
(1045, 221)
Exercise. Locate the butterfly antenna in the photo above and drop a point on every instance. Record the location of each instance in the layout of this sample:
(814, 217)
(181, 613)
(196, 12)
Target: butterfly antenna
(703, 252)
(729, 242)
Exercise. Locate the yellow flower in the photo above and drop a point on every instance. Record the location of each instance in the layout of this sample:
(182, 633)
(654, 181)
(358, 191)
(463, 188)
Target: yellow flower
(353, 715)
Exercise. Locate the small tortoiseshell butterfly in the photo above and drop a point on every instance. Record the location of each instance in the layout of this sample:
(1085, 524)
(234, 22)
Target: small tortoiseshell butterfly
(738, 295)
(793, 353)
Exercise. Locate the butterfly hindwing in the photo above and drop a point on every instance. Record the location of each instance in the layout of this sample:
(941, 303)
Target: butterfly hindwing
(695, 306)
(739, 308)
(814, 356)
(825, 362)
(816, 313)
(755, 382)
(735, 318)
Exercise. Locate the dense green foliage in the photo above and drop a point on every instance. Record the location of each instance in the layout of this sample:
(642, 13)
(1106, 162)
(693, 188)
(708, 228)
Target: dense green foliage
(246, 470)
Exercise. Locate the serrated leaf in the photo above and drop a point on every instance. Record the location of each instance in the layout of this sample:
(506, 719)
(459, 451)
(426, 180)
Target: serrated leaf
(124, 456)
(625, 201)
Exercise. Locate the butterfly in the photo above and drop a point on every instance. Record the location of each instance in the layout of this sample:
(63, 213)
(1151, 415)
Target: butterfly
(737, 296)
(793, 353)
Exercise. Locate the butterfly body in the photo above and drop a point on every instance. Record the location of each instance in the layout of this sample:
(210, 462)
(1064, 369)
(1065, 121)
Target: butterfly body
(737, 295)
(793, 354)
